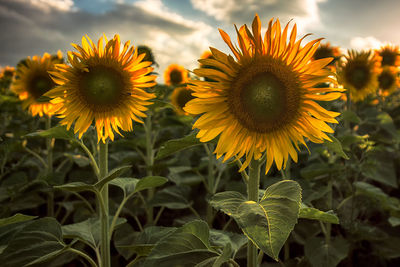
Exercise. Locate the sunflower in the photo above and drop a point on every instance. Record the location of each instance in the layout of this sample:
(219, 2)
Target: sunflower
(388, 80)
(149, 54)
(264, 100)
(32, 80)
(104, 85)
(389, 55)
(327, 51)
(359, 74)
(175, 74)
(6, 76)
(179, 97)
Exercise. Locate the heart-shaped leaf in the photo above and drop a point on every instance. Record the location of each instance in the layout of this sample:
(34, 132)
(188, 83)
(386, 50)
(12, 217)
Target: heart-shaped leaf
(269, 222)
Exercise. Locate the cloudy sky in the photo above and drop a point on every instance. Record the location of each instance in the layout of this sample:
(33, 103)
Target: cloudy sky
(179, 31)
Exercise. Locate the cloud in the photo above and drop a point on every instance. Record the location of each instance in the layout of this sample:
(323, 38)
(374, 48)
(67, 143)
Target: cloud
(304, 12)
(33, 29)
(364, 43)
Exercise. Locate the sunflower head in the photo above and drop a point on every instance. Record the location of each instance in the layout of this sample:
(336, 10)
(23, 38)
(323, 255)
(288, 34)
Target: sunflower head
(103, 84)
(175, 75)
(327, 51)
(359, 74)
(32, 80)
(389, 55)
(149, 53)
(263, 100)
(388, 80)
(179, 97)
(6, 76)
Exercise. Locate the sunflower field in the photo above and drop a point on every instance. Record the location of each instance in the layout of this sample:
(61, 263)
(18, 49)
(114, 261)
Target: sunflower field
(283, 152)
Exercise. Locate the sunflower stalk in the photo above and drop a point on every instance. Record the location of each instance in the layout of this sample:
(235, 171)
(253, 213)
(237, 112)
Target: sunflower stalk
(49, 169)
(210, 183)
(252, 192)
(149, 165)
(103, 202)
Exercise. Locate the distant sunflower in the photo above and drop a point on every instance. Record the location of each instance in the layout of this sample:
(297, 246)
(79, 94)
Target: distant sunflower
(327, 51)
(389, 55)
(32, 80)
(359, 74)
(104, 85)
(7, 72)
(206, 55)
(179, 97)
(149, 54)
(388, 80)
(6, 76)
(175, 75)
(264, 101)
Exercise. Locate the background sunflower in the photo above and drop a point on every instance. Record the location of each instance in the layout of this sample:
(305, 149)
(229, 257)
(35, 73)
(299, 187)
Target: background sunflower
(175, 74)
(32, 80)
(179, 97)
(359, 74)
(104, 85)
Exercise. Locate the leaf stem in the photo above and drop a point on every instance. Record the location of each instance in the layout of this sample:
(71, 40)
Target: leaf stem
(91, 158)
(252, 195)
(83, 255)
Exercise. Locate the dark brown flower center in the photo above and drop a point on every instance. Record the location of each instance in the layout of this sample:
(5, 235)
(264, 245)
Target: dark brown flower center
(102, 86)
(386, 80)
(265, 96)
(39, 83)
(388, 57)
(176, 77)
(358, 74)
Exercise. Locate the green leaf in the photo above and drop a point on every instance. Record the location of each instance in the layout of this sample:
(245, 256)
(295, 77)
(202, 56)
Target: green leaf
(328, 255)
(131, 186)
(37, 242)
(350, 116)
(173, 197)
(394, 221)
(224, 257)
(58, 132)
(315, 214)
(77, 187)
(380, 167)
(111, 176)
(335, 146)
(87, 231)
(387, 124)
(150, 182)
(172, 146)
(80, 160)
(222, 238)
(269, 222)
(186, 246)
(127, 184)
(140, 243)
(15, 219)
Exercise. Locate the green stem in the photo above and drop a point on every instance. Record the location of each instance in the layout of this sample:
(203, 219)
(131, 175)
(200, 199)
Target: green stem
(83, 255)
(149, 165)
(103, 198)
(210, 183)
(49, 174)
(329, 225)
(252, 192)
